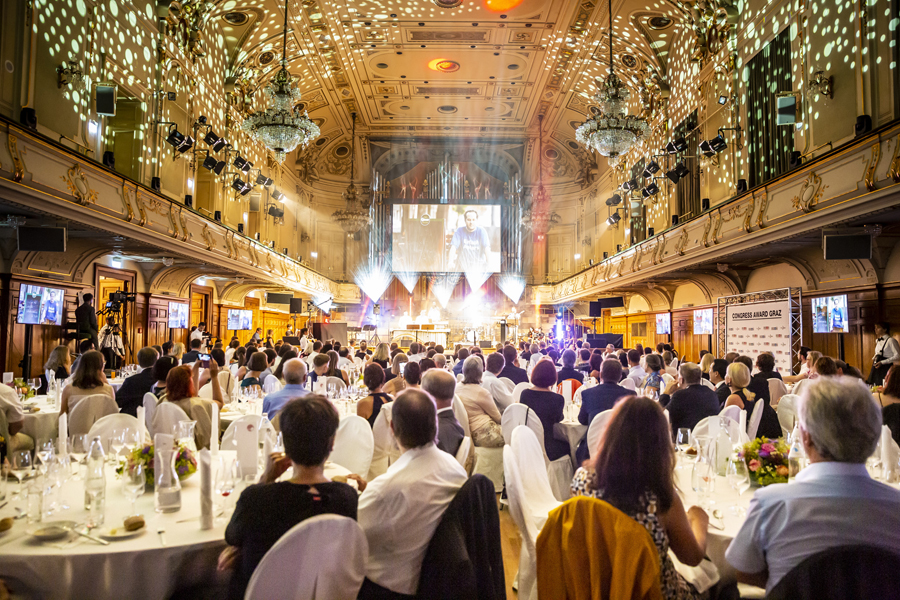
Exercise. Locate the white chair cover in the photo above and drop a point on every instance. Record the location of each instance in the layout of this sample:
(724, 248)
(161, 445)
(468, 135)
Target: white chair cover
(462, 453)
(777, 389)
(567, 389)
(166, 417)
(526, 576)
(667, 379)
(88, 410)
(628, 384)
(732, 412)
(755, 418)
(105, 426)
(385, 450)
(336, 381)
(734, 429)
(459, 411)
(559, 471)
(596, 429)
(798, 387)
(358, 361)
(509, 383)
(517, 391)
(150, 403)
(787, 411)
(321, 558)
(519, 414)
(353, 445)
(272, 385)
(228, 441)
(708, 384)
(234, 368)
(459, 378)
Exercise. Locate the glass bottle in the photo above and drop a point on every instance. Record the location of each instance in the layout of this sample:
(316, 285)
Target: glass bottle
(166, 487)
(95, 483)
(796, 455)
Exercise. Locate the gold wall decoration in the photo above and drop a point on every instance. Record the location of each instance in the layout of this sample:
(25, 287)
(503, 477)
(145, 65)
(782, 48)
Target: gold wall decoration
(78, 186)
(748, 213)
(718, 229)
(894, 169)
(810, 193)
(128, 195)
(763, 209)
(706, 228)
(682, 242)
(208, 237)
(635, 263)
(869, 176)
(18, 164)
(140, 206)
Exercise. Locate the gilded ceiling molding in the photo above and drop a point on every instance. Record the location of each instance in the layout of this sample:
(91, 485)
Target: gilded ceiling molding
(894, 169)
(78, 186)
(12, 143)
(810, 193)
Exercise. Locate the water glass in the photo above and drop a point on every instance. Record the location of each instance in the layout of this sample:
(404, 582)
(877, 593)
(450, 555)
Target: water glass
(116, 443)
(77, 447)
(37, 495)
(133, 483)
(44, 454)
(21, 465)
(225, 481)
(738, 478)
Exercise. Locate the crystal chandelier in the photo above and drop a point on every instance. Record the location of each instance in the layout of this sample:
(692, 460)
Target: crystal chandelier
(612, 131)
(356, 215)
(539, 218)
(281, 127)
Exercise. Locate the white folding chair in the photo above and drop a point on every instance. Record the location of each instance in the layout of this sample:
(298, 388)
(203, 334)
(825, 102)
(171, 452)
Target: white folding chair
(88, 410)
(777, 389)
(755, 418)
(166, 418)
(105, 426)
(508, 383)
(559, 471)
(512, 417)
(353, 445)
(228, 441)
(798, 387)
(628, 384)
(596, 429)
(787, 411)
(462, 453)
(517, 391)
(321, 558)
(385, 450)
(459, 411)
(150, 402)
(732, 412)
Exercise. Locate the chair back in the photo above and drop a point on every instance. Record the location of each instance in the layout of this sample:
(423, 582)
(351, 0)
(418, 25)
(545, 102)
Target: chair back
(166, 418)
(385, 450)
(538, 498)
(337, 381)
(777, 389)
(567, 389)
(234, 368)
(666, 380)
(527, 575)
(321, 558)
(732, 412)
(88, 410)
(708, 384)
(105, 426)
(273, 385)
(459, 378)
(517, 391)
(787, 411)
(596, 429)
(519, 414)
(150, 402)
(628, 384)
(228, 441)
(462, 453)
(510, 386)
(734, 429)
(459, 411)
(353, 445)
(755, 418)
(842, 572)
(798, 387)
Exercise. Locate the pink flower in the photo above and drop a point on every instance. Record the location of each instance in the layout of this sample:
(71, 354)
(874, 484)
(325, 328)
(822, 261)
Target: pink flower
(770, 448)
(754, 465)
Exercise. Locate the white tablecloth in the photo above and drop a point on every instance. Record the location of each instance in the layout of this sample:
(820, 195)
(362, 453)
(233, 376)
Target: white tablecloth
(44, 424)
(572, 432)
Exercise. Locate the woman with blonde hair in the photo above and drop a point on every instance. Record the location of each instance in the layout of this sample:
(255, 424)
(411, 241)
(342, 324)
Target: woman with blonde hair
(706, 364)
(393, 381)
(177, 351)
(738, 378)
(382, 355)
(59, 363)
(88, 380)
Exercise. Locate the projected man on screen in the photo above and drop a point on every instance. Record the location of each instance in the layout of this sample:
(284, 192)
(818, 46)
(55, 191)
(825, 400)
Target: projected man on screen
(470, 246)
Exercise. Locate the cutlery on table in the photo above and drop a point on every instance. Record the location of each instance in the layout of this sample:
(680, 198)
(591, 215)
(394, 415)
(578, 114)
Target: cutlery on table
(162, 536)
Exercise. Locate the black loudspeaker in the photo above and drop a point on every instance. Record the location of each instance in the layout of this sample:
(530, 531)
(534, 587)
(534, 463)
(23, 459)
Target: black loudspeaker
(28, 118)
(674, 220)
(109, 159)
(257, 236)
(155, 184)
(484, 344)
(240, 228)
(594, 309)
(605, 255)
(796, 160)
(296, 305)
(189, 201)
(284, 250)
(649, 232)
(742, 186)
(614, 302)
(863, 125)
(218, 216)
(41, 239)
(279, 298)
(704, 204)
(106, 100)
(618, 247)
(851, 246)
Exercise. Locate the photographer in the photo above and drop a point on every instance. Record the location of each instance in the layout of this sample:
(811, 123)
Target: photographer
(201, 334)
(111, 343)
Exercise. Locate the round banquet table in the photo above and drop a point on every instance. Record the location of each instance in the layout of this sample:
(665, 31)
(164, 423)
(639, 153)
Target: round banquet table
(572, 432)
(42, 425)
(143, 567)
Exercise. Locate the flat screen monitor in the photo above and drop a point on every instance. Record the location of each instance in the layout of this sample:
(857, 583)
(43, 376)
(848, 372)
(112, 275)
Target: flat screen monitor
(829, 314)
(40, 305)
(703, 321)
(179, 315)
(443, 237)
(239, 320)
(663, 324)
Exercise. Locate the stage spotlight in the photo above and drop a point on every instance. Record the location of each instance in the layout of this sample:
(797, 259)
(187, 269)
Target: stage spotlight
(614, 200)
(678, 172)
(275, 212)
(706, 149)
(179, 142)
(630, 185)
(211, 164)
(677, 145)
(241, 186)
(261, 179)
(718, 143)
(243, 164)
(268, 182)
(214, 142)
(723, 99)
(276, 195)
(613, 219)
(650, 190)
(652, 167)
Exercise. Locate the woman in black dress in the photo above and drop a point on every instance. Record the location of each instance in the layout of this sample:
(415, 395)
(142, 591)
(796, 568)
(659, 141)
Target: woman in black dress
(548, 405)
(369, 407)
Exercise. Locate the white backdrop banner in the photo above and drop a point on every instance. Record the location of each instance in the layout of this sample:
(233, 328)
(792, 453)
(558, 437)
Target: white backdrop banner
(760, 326)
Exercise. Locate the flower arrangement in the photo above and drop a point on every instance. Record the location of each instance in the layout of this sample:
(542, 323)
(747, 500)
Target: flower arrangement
(767, 460)
(185, 462)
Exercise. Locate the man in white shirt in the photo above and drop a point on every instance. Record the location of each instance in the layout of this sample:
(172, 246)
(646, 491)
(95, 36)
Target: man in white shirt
(111, 344)
(304, 339)
(344, 361)
(197, 334)
(500, 389)
(833, 502)
(399, 510)
(233, 345)
(15, 415)
(415, 352)
(315, 350)
(635, 371)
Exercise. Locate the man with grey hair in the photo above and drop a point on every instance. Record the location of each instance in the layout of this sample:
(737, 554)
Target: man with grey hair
(690, 401)
(440, 361)
(442, 385)
(833, 502)
(294, 373)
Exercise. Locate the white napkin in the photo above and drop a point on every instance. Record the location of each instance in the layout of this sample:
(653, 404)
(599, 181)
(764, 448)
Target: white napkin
(743, 421)
(246, 437)
(214, 438)
(889, 456)
(702, 577)
(63, 433)
(206, 498)
(142, 421)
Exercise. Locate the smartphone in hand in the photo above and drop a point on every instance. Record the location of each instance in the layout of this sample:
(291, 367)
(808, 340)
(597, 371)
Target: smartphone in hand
(204, 360)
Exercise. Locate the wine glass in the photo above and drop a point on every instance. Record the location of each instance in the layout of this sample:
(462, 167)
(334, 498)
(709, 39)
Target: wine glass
(35, 384)
(683, 440)
(117, 443)
(77, 447)
(132, 439)
(133, 483)
(225, 480)
(21, 464)
(738, 478)
(44, 454)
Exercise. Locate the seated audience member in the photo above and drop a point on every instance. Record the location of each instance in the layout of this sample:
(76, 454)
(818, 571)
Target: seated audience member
(717, 373)
(808, 359)
(239, 358)
(233, 345)
(333, 369)
(399, 510)
(547, 405)
(537, 353)
(256, 364)
(279, 370)
(568, 370)
(765, 366)
(131, 394)
(193, 355)
(161, 369)
(167, 348)
(706, 361)
(484, 416)
(654, 372)
(825, 367)
(461, 357)
(178, 352)
(596, 364)
(691, 401)
(583, 363)
(412, 375)
(738, 380)
(382, 355)
(635, 370)
(294, 371)
(319, 367)
(730, 357)
(394, 383)
(499, 390)
(850, 371)
(511, 368)
(668, 359)
(369, 407)
(633, 471)
(442, 386)
(83, 348)
(426, 364)
(181, 390)
(266, 511)
(271, 357)
(440, 361)
(344, 361)
(59, 363)
(599, 398)
(759, 387)
(363, 352)
(833, 501)
(14, 412)
(890, 392)
(87, 380)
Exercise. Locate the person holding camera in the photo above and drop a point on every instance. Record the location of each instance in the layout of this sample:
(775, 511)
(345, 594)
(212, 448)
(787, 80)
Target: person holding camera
(200, 334)
(111, 343)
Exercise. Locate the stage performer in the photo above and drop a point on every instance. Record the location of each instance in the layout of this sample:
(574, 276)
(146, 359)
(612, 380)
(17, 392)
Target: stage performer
(470, 246)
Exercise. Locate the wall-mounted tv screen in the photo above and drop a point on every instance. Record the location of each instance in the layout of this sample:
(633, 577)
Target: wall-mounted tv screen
(445, 237)
(179, 315)
(40, 305)
(703, 321)
(663, 324)
(239, 320)
(829, 314)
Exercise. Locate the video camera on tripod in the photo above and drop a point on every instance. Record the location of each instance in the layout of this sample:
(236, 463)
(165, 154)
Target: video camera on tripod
(116, 301)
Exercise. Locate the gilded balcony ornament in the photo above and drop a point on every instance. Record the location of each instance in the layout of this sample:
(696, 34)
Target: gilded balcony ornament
(894, 169)
(871, 165)
(78, 186)
(810, 193)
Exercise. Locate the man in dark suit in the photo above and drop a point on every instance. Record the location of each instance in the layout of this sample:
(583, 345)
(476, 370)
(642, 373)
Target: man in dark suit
(599, 398)
(131, 394)
(194, 354)
(510, 370)
(692, 401)
(717, 377)
(86, 320)
(442, 385)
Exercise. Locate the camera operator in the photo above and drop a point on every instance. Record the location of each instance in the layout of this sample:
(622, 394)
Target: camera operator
(201, 334)
(86, 320)
(111, 343)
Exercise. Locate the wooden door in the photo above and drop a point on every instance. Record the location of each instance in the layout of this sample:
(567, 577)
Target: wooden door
(331, 252)
(560, 254)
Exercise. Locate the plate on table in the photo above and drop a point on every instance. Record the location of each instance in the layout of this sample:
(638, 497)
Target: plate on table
(119, 533)
(51, 530)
